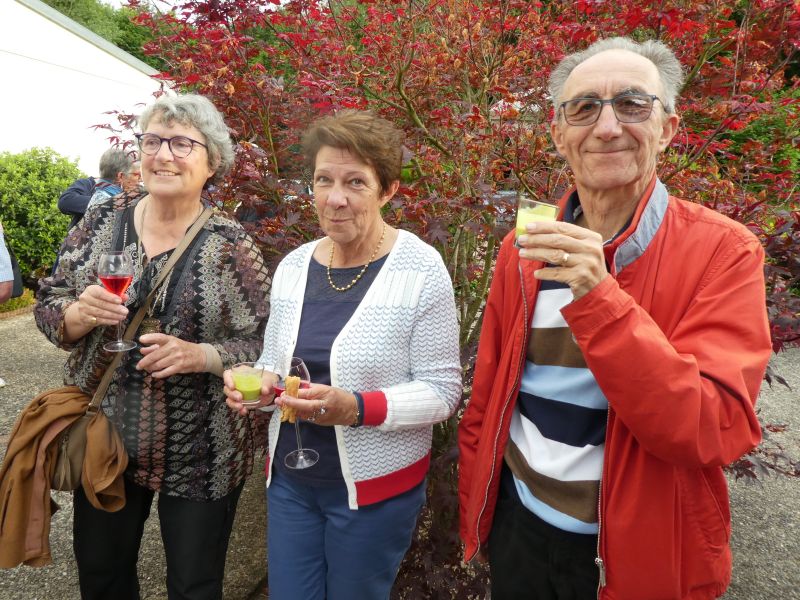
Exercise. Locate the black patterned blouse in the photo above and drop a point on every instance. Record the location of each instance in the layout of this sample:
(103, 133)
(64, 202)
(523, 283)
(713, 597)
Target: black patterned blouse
(180, 436)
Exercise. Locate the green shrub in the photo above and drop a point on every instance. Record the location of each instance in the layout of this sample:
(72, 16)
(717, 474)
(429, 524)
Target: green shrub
(30, 184)
(16, 303)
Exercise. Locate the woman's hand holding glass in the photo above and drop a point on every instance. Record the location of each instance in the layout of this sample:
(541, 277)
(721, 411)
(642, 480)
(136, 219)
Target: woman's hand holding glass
(115, 271)
(97, 306)
(322, 404)
(235, 400)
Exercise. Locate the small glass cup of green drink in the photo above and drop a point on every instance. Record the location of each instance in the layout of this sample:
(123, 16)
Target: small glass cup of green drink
(247, 379)
(530, 210)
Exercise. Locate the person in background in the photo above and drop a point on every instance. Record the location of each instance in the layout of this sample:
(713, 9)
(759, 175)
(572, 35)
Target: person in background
(6, 273)
(165, 398)
(6, 277)
(119, 170)
(620, 357)
(370, 310)
(125, 182)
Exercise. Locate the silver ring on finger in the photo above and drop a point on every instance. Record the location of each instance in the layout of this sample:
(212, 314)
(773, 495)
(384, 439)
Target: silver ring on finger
(322, 409)
(312, 417)
(564, 259)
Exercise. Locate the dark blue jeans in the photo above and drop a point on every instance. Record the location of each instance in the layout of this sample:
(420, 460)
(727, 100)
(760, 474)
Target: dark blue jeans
(321, 549)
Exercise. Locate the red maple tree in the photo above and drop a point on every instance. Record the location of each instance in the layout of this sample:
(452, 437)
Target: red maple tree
(466, 81)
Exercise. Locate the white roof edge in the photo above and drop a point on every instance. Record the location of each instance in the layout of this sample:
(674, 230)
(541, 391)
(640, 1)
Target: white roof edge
(88, 35)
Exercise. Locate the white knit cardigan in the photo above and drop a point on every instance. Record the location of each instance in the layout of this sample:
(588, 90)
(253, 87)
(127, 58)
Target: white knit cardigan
(402, 340)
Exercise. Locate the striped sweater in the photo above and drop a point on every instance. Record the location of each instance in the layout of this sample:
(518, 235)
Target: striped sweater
(559, 422)
(402, 344)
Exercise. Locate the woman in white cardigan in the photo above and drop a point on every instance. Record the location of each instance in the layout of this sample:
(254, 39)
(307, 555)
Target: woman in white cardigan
(370, 310)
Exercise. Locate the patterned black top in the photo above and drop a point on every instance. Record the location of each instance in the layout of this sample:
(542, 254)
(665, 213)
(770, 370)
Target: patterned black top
(180, 436)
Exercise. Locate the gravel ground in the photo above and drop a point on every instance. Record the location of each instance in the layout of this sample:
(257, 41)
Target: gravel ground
(29, 363)
(766, 516)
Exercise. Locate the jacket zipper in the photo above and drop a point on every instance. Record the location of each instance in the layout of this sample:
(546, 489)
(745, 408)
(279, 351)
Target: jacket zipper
(505, 406)
(601, 565)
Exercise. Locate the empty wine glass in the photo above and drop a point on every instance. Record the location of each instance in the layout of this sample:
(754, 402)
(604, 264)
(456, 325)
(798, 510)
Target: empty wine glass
(302, 458)
(115, 271)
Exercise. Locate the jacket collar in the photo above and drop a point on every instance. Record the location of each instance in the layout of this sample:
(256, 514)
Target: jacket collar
(630, 243)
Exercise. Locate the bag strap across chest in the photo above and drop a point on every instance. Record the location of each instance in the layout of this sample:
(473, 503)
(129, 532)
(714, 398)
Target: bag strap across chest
(133, 326)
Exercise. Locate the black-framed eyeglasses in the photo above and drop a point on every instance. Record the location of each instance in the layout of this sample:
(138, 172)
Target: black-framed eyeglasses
(180, 145)
(628, 108)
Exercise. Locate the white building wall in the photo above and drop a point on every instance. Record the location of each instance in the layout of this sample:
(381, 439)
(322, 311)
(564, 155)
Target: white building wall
(57, 79)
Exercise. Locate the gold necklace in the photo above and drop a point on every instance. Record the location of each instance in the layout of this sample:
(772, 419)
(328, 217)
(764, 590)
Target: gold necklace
(361, 273)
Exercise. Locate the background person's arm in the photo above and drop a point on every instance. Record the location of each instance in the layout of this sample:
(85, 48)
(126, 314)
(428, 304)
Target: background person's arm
(6, 274)
(75, 199)
(5, 290)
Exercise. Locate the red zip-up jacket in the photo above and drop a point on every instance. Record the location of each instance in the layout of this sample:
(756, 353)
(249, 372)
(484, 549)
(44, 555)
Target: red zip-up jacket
(678, 340)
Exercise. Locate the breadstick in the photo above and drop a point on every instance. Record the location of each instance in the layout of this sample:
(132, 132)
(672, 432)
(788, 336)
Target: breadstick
(292, 386)
(288, 414)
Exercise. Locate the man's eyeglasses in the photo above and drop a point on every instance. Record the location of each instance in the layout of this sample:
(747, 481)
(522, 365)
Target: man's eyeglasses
(628, 108)
(180, 145)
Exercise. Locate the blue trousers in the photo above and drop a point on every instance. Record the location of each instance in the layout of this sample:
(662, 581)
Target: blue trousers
(320, 549)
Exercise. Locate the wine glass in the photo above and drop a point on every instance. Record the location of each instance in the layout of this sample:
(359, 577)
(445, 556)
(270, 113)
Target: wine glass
(302, 458)
(115, 271)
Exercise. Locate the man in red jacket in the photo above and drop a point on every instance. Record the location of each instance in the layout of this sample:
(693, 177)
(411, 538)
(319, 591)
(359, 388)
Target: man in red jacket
(621, 354)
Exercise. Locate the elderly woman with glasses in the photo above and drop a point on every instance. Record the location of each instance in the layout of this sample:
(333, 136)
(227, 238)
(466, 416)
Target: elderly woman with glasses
(166, 396)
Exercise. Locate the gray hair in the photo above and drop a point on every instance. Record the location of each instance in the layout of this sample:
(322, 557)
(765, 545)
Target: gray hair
(194, 110)
(115, 160)
(669, 67)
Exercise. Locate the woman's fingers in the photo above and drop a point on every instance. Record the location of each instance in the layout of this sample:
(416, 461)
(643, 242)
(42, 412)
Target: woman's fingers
(308, 410)
(233, 395)
(227, 379)
(233, 398)
(236, 405)
(98, 306)
(321, 404)
(166, 355)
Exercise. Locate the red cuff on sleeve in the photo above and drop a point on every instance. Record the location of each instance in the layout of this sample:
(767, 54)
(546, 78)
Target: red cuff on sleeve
(375, 408)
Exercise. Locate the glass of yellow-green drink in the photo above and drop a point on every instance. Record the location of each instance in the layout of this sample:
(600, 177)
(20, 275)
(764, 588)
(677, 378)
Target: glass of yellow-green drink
(530, 210)
(247, 378)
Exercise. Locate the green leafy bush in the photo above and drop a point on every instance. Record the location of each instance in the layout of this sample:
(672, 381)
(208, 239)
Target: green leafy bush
(30, 184)
(23, 301)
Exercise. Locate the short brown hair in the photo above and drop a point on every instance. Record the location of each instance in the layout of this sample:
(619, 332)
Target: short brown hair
(372, 139)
